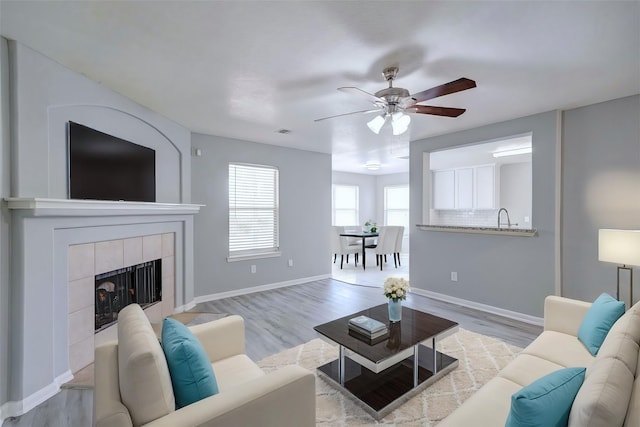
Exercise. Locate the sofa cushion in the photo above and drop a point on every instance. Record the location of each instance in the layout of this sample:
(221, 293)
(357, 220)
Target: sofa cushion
(191, 374)
(562, 349)
(489, 406)
(235, 371)
(145, 383)
(547, 401)
(606, 393)
(527, 368)
(601, 316)
(633, 412)
(623, 340)
(604, 397)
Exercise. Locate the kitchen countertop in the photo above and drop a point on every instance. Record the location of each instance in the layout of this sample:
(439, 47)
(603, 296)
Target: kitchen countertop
(502, 231)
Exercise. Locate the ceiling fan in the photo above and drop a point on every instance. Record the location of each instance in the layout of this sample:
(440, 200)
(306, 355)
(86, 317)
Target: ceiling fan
(395, 103)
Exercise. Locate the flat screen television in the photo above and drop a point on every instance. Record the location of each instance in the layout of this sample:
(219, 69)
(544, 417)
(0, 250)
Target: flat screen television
(103, 167)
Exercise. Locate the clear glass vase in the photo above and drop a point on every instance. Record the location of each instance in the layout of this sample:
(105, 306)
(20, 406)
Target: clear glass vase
(395, 310)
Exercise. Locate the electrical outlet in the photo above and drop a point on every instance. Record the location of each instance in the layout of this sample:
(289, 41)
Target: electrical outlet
(526, 219)
(454, 276)
(253, 269)
(290, 262)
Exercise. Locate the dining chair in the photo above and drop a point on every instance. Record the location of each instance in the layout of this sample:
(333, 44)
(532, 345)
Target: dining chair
(340, 246)
(398, 247)
(385, 245)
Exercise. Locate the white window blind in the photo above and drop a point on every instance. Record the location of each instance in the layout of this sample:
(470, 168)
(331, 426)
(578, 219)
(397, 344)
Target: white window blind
(253, 210)
(345, 205)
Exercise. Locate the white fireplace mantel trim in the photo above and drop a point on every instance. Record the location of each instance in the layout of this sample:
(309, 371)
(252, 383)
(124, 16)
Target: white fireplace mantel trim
(42, 207)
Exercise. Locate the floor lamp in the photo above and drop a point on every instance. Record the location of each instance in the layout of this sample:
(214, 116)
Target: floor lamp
(620, 247)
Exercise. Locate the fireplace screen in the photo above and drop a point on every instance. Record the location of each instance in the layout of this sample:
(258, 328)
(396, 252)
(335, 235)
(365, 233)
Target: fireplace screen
(140, 284)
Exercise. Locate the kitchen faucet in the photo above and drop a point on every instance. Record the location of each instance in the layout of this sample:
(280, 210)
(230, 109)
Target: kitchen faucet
(508, 220)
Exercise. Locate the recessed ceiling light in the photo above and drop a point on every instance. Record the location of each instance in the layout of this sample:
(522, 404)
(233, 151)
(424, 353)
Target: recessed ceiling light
(372, 166)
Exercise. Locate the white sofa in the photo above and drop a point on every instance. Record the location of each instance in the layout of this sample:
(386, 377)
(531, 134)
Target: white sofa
(610, 394)
(133, 384)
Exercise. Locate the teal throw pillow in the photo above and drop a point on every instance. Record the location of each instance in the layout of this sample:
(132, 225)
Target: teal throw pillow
(192, 376)
(547, 401)
(601, 316)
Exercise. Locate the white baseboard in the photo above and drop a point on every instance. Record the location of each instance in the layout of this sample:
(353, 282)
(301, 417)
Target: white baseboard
(15, 409)
(533, 320)
(245, 291)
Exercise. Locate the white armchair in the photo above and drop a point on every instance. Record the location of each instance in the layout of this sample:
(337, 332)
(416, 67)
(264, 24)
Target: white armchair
(247, 396)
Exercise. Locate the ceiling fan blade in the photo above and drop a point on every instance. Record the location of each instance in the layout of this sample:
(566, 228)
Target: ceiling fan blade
(359, 92)
(377, 110)
(445, 89)
(436, 111)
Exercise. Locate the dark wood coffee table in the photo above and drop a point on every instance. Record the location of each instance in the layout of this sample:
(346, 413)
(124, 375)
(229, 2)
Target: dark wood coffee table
(383, 376)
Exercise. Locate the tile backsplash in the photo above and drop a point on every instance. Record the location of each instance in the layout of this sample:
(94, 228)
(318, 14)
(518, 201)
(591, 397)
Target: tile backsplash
(467, 218)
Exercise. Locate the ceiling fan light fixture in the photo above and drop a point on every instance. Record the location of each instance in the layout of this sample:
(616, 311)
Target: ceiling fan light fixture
(400, 122)
(376, 123)
(372, 166)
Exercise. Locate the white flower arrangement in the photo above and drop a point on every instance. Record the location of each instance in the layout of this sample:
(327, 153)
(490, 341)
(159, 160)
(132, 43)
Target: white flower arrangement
(396, 288)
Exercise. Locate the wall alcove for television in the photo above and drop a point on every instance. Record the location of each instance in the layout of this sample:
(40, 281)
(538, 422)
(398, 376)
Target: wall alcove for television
(104, 167)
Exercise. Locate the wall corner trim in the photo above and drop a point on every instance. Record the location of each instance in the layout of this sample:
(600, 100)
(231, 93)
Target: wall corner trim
(17, 408)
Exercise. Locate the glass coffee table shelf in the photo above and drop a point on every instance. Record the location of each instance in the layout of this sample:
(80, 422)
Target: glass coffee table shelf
(383, 376)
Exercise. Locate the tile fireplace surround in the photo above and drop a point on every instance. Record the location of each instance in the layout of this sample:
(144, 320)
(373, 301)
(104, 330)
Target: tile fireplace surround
(90, 259)
(58, 247)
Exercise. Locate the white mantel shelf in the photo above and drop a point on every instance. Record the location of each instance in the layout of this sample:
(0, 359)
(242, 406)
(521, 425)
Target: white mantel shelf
(64, 207)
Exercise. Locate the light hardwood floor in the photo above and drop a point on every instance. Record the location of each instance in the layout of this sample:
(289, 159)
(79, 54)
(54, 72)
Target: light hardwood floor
(282, 318)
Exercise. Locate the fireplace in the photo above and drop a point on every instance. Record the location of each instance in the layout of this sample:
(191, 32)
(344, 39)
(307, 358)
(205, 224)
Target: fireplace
(140, 284)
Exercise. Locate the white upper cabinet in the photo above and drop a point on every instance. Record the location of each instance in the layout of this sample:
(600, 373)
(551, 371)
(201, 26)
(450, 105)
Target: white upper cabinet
(485, 187)
(444, 189)
(465, 188)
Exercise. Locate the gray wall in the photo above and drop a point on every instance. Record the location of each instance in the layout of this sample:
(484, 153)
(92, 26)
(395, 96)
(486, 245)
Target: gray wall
(512, 273)
(515, 191)
(305, 215)
(42, 96)
(366, 192)
(4, 220)
(601, 189)
(46, 95)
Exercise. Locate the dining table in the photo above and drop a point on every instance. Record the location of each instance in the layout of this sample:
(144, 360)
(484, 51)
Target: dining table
(362, 235)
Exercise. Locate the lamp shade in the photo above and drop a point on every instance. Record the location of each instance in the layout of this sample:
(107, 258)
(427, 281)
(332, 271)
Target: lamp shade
(619, 246)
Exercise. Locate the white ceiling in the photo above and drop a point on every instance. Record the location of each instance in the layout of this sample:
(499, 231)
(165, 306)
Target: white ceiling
(243, 70)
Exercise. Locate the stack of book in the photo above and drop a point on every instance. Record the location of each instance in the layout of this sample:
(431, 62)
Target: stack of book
(368, 329)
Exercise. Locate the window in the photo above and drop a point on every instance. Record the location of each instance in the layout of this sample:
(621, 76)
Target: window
(253, 211)
(396, 206)
(345, 205)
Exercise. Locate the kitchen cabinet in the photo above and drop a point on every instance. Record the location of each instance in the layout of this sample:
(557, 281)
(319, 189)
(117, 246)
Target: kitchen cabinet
(444, 189)
(485, 187)
(465, 188)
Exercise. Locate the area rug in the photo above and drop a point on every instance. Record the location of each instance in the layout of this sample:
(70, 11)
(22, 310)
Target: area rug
(480, 358)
